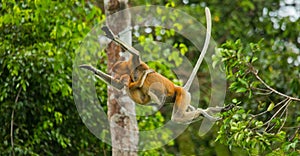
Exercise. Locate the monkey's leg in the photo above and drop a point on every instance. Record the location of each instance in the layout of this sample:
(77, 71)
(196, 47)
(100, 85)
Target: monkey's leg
(190, 108)
(213, 110)
(182, 101)
(180, 115)
(207, 113)
(210, 111)
(157, 92)
(146, 72)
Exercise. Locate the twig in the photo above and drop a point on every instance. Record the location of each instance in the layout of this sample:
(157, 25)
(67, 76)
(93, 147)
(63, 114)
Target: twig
(285, 118)
(256, 115)
(291, 127)
(283, 112)
(285, 105)
(263, 91)
(12, 124)
(11, 132)
(294, 135)
(268, 93)
(272, 89)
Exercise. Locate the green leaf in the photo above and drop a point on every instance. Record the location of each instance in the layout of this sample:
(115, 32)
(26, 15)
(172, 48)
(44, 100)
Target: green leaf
(271, 106)
(241, 90)
(243, 82)
(234, 100)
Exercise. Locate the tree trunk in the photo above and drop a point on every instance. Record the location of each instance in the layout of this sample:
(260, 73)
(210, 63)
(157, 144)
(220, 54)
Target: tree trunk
(121, 109)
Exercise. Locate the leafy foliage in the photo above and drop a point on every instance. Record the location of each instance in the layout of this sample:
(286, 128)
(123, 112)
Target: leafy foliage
(256, 133)
(38, 40)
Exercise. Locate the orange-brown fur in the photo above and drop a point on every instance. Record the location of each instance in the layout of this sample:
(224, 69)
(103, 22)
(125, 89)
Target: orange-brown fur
(148, 91)
(143, 85)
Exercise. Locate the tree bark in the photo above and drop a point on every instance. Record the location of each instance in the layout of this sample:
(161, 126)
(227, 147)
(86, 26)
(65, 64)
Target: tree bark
(121, 109)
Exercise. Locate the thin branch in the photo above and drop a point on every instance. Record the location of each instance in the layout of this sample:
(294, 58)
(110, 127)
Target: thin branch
(294, 135)
(267, 93)
(256, 115)
(285, 118)
(290, 127)
(12, 131)
(283, 112)
(12, 124)
(285, 105)
(262, 91)
(272, 89)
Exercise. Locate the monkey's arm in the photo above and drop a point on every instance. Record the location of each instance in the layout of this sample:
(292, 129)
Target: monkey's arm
(103, 76)
(110, 35)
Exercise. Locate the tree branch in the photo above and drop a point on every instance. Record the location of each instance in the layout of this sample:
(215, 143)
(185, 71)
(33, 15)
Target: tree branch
(285, 105)
(288, 99)
(12, 124)
(272, 89)
(256, 115)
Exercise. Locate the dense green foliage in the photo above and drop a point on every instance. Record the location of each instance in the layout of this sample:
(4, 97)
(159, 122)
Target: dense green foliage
(267, 127)
(38, 40)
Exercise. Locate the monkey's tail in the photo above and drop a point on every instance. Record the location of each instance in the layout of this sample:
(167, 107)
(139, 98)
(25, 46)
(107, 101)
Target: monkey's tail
(203, 52)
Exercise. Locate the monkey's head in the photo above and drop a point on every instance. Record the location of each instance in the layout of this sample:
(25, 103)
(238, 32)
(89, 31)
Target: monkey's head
(142, 67)
(138, 71)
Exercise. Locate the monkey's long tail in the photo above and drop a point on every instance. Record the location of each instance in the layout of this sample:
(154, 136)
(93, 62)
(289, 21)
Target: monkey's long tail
(203, 52)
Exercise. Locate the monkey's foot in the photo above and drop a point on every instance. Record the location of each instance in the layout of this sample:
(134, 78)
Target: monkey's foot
(207, 113)
(190, 108)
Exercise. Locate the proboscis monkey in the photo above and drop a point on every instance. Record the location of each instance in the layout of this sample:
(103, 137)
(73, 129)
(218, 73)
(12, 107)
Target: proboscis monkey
(144, 85)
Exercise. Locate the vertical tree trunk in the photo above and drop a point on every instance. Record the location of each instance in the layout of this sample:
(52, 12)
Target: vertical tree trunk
(121, 109)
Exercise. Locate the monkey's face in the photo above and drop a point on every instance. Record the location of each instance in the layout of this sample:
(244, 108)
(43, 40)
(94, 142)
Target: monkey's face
(138, 71)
